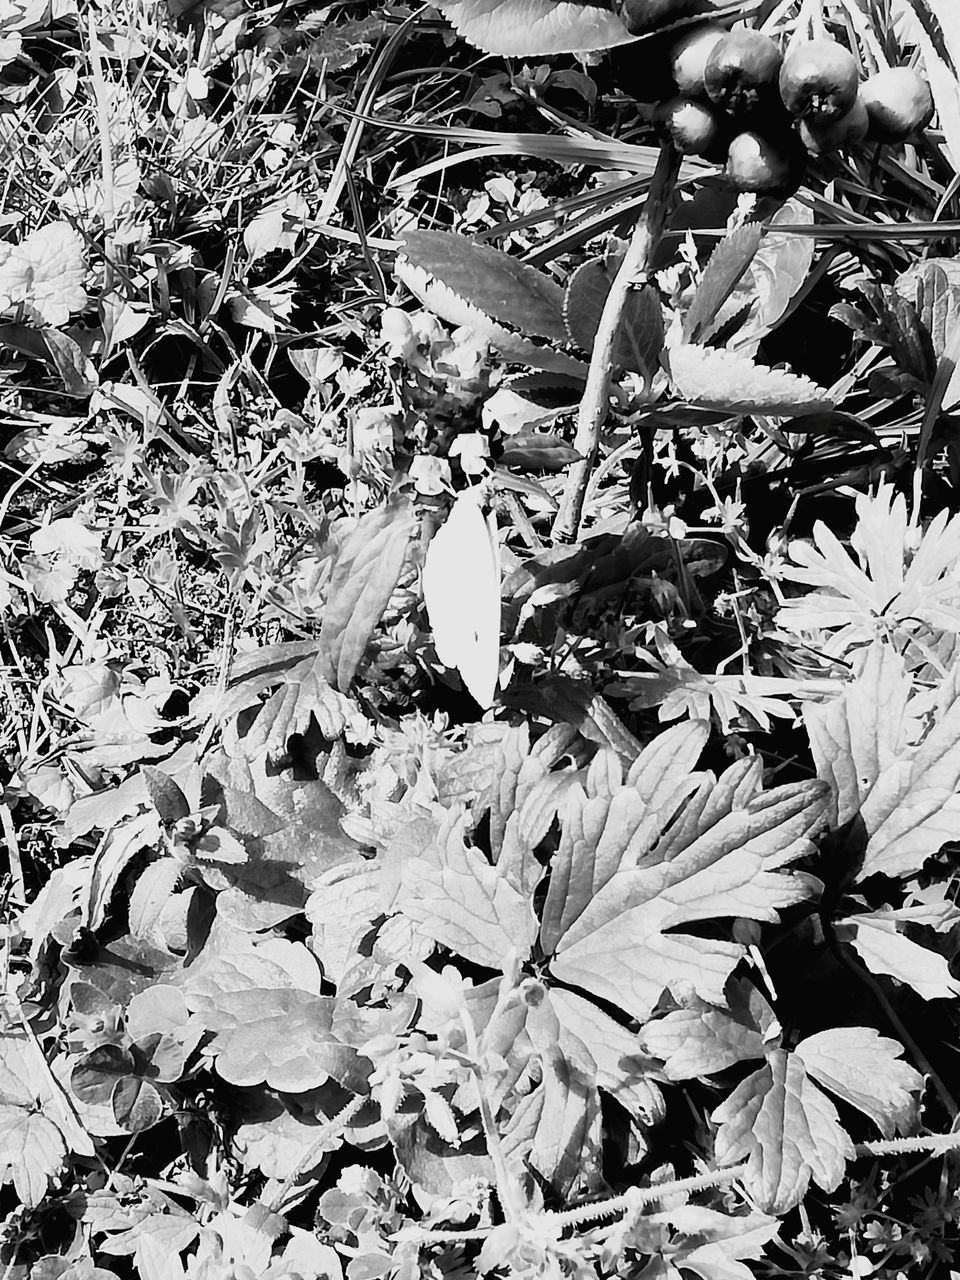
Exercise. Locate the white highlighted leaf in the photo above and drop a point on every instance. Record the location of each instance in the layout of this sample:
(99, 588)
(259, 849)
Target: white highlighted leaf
(535, 28)
(461, 589)
(726, 380)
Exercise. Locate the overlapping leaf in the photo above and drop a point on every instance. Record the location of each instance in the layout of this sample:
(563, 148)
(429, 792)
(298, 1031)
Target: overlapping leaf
(621, 942)
(905, 787)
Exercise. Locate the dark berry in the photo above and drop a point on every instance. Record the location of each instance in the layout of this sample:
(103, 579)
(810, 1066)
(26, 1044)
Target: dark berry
(742, 71)
(823, 136)
(898, 102)
(695, 128)
(757, 163)
(819, 80)
(689, 58)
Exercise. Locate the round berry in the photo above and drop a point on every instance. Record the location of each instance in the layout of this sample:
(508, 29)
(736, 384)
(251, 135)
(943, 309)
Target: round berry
(756, 163)
(694, 127)
(823, 136)
(819, 80)
(741, 71)
(898, 102)
(689, 58)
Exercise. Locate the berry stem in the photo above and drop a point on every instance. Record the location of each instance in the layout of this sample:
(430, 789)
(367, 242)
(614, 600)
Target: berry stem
(594, 406)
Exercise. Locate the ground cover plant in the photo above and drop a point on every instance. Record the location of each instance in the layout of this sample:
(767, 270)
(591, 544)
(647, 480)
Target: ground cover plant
(480, 592)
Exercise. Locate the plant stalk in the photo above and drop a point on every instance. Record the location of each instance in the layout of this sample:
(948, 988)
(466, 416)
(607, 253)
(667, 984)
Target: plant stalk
(594, 406)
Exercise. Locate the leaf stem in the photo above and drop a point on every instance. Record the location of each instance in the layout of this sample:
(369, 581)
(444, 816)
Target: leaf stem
(595, 403)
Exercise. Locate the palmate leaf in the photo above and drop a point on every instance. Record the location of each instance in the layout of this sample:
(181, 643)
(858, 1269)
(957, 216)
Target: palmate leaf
(782, 1123)
(32, 1150)
(623, 946)
(787, 1130)
(604, 828)
(896, 580)
(904, 784)
(454, 896)
(878, 940)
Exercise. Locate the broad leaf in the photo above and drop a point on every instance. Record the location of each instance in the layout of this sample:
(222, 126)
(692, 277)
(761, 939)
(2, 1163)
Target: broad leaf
(700, 1040)
(365, 574)
(786, 1129)
(622, 1068)
(535, 28)
(494, 282)
(640, 339)
(456, 897)
(165, 796)
(624, 947)
(136, 1104)
(907, 793)
(76, 372)
(878, 940)
(865, 1069)
(282, 1038)
(728, 263)
(31, 1152)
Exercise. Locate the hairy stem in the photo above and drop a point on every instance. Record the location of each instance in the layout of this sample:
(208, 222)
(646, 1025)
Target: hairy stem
(595, 403)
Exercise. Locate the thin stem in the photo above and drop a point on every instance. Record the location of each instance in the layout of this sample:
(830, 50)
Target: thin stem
(594, 406)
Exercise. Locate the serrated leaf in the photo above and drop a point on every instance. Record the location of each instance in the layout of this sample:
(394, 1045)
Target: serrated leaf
(877, 940)
(729, 381)
(786, 1129)
(457, 310)
(700, 1040)
(535, 28)
(32, 1150)
(611, 822)
(728, 264)
(907, 793)
(364, 577)
(454, 896)
(165, 796)
(865, 1069)
(461, 591)
(622, 1069)
(640, 339)
(494, 282)
(624, 946)
(282, 1038)
(858, 736)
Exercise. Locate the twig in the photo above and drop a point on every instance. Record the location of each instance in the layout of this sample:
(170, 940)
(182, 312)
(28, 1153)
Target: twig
(595, 403)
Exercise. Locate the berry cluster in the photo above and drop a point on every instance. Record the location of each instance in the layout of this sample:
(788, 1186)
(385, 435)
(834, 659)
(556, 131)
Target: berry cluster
(733, 98)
